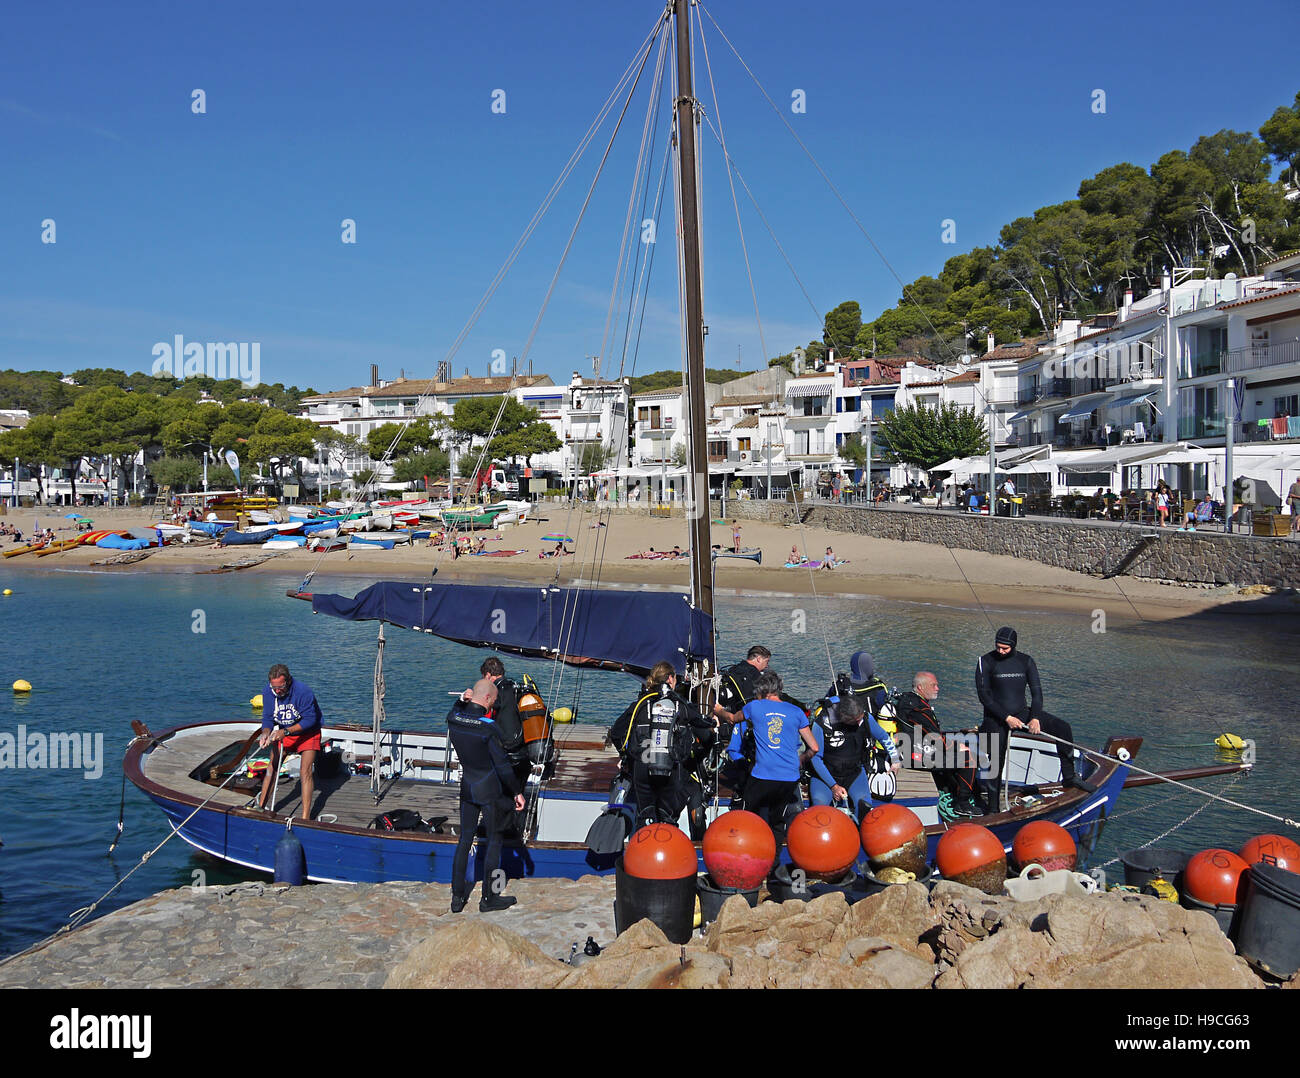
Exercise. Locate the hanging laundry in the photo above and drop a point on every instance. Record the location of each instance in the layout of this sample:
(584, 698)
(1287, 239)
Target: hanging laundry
(1279, 427)
(1293, 426)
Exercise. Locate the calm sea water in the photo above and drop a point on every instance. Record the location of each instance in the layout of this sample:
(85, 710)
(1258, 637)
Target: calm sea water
(101, 650)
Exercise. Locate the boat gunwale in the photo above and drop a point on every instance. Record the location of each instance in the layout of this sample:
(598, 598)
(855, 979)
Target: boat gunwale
(140, 746)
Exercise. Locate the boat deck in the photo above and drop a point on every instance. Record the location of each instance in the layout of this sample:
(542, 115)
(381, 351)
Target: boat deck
(585, 766)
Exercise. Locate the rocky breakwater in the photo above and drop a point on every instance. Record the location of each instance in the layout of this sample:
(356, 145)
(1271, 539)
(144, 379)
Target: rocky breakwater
(402, 935)
(905, 937)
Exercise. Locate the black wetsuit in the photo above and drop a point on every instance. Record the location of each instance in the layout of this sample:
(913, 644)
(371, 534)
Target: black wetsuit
(487, 789)
(1002, 681)
(916, 718)
(511, 729)
(659, 798)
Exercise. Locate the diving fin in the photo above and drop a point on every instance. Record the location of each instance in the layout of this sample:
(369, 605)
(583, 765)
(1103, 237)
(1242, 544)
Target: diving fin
(608, 833)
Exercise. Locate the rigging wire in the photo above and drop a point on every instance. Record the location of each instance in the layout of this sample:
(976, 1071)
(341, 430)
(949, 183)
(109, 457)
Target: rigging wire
(538, 215)
(906, 292)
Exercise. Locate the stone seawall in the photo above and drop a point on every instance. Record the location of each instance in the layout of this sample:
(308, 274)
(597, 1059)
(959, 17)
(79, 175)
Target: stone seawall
(1165, 555)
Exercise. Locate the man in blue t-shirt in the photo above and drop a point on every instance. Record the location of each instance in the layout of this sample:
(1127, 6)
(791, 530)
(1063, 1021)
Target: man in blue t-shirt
(778, 728)
(291, 722)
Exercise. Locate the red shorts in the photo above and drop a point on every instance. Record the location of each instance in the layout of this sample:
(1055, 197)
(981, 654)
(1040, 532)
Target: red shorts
(302, 742)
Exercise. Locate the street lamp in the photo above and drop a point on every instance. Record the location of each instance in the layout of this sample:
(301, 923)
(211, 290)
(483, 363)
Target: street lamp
(208, 447)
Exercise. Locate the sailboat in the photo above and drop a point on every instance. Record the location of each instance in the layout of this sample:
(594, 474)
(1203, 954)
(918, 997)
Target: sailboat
(191, 771)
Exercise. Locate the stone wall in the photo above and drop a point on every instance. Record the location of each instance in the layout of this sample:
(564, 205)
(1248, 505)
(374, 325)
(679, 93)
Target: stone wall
(1207, 558)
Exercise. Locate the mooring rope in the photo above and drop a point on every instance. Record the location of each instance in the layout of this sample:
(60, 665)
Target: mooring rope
(79, 917)
(1096, 754)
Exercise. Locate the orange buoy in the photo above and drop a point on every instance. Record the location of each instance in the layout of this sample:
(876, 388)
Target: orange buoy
(894, 837)
(739, 849)
(1284, 852)
(1045, 843)
(659, 851)
(1213, 877)
(973, 855)
(823, 842)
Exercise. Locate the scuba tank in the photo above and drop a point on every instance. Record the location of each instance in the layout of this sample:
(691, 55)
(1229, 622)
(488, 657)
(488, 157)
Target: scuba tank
(663, 719)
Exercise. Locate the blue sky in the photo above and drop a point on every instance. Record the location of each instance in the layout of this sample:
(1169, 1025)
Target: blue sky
(226, 226)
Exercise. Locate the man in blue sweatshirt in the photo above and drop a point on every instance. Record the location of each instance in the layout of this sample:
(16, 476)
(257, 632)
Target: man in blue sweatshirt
(291, 722)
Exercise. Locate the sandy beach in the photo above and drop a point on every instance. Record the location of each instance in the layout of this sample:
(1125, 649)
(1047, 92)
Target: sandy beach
(907, 571)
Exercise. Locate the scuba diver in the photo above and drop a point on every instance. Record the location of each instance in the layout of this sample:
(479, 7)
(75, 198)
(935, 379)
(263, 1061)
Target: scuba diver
(949, 758)
(488, 790)
(843, 732)
(661, 738)
(1002, 677)
(864, 685)
(738, 690)
(506, 717)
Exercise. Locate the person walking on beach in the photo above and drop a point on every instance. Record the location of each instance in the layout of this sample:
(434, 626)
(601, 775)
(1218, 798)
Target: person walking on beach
(291, 722)
(488, 790)
(735, 536)
(1293, 500)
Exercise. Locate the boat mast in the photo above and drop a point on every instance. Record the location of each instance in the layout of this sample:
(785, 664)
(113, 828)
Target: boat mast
(689, 237)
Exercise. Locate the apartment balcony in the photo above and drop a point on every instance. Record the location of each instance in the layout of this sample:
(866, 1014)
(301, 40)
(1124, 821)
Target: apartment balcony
(644, 430)
(1200, 364)
(1257, 358)
(1199, 426)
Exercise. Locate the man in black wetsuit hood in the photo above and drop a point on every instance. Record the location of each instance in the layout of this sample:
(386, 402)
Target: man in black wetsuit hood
(1002, 677)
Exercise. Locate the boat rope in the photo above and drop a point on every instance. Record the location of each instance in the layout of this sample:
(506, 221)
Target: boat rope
(78, 917)
(735, 203)
(121, 817)
(1098, 755)
(1165, 834)
(538, 215)
(1162, 801)
(906, 291)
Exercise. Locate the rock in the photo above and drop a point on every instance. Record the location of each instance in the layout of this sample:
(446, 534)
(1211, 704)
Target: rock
(475, 954)
(788, 929)
(1008, 959)
(901, 914)
(886, 965)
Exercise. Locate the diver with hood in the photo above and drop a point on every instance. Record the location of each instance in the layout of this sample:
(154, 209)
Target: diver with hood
(1002, 678)
(863, 685)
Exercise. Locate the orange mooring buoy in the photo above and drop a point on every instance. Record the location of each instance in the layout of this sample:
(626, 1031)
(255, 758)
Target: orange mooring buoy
(739, 849)
(894, 837)
(1214, 876)
(1283, 852)
(660, 851)
(973, 855)
(823, 841)
(1045, 843)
